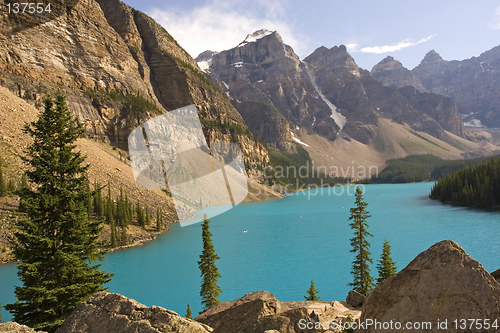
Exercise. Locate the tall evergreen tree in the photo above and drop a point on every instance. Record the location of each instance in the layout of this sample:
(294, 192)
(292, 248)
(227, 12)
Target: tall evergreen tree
(189, 314)
(363, 282)
(312, 293)
(141, 218)
(3, 186)
(159, 220)
(98, 205)
(210, 291)
(386, 267)
(57, 244)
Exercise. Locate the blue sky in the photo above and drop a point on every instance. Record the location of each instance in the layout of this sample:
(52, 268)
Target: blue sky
(371, 30)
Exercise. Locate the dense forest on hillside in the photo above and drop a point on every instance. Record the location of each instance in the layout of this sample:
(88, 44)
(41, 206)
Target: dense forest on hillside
(419, 168)
(474, 186)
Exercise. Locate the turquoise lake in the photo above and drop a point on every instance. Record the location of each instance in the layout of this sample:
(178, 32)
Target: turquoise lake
(290, 242)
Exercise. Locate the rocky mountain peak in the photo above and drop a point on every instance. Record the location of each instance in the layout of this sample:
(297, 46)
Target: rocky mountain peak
(257, 35)
(391, 72)
(336, 58)
(205, 56)
(389, 63)
(431, 56)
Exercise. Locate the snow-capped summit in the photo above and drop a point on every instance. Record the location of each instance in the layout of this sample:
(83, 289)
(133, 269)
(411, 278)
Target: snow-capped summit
(204, 60)
(255, 36)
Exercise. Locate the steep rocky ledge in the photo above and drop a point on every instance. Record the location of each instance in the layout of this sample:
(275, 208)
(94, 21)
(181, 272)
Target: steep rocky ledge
(119, 68)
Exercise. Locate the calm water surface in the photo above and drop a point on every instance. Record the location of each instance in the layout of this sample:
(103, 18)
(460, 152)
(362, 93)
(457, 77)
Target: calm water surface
(288, 243)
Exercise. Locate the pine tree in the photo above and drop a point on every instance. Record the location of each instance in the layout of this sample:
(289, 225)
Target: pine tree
(141, 219)
(3, 186)
(159, 221)
(363, 282)
(57, 244)
(312, 293)
(210, 291)
(98, 205)
(148, 217)
(1, 315)
(386, 267)
(189, 315)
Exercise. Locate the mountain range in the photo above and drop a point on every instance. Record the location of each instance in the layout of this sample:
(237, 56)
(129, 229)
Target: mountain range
(473, 83)
(333, 107)
(119, 68)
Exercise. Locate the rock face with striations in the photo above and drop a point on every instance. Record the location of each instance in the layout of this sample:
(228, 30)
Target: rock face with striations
(392, 73)
(118, 68)
(472, 83)
(362, 99)
(325, 93)
(107, 313)
(441, 283)
(264, 69)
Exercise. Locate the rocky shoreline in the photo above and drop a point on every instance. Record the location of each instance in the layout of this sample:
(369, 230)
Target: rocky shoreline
(441, 286)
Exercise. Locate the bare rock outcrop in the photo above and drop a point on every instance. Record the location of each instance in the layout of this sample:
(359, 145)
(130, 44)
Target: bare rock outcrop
(392, 73)
(260, 311)
(12, 327)
(441, 283)
(108, 313)
(355, 299)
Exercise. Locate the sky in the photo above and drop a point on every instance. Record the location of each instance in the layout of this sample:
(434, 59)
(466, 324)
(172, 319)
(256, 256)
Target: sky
(371, 30)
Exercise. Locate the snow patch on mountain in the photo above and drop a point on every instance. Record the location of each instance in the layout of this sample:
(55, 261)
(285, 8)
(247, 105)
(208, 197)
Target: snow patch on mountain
(205, 65)
(339, 119)
(255, 36)
(298, 141)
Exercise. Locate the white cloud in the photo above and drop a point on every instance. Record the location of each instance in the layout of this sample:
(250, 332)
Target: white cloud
(495, 24)
(221, 25)
(394, 47)
(353, 47)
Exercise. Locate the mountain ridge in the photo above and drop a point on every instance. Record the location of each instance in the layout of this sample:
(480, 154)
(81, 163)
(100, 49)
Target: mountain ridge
(472, 83)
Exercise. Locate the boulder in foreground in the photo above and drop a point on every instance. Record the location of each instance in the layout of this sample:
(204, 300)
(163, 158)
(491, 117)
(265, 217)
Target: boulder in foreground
(441, 284)
(260, 311)
(112, 313)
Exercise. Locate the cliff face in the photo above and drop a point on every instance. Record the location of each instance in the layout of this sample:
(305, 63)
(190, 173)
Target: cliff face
(362, 99)
(392, 73)
(472, 83)
(324, 94)
(263, 69)
(119, 68)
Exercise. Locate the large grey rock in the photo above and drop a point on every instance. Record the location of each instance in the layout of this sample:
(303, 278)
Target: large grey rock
(13, 327)
(112, 313)
(355, 299)
(441, 283)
